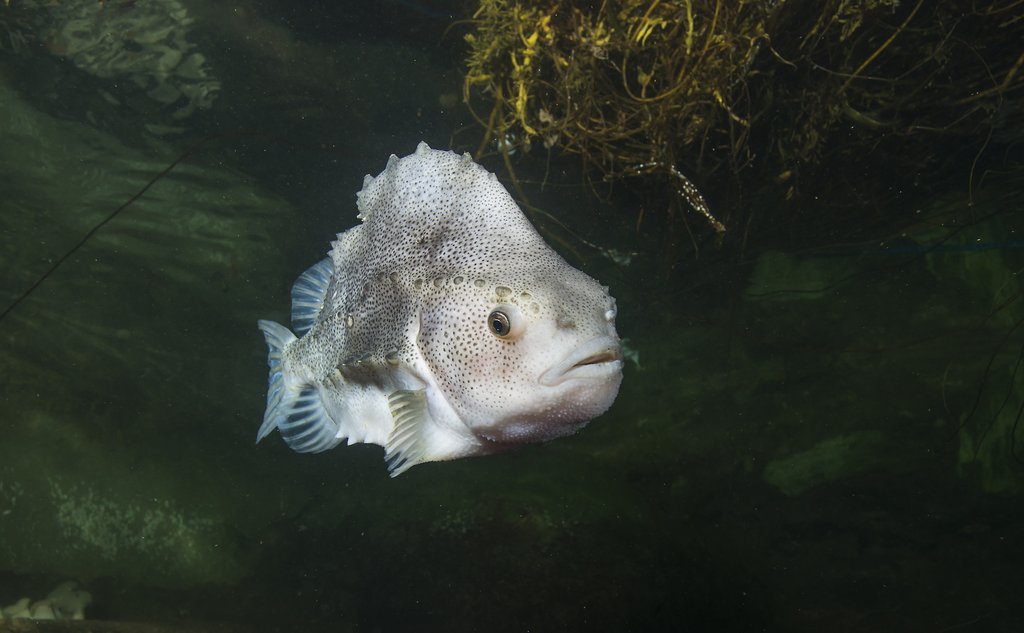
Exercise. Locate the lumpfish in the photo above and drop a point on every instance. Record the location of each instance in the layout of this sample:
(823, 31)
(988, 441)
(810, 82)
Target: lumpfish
(442, 326)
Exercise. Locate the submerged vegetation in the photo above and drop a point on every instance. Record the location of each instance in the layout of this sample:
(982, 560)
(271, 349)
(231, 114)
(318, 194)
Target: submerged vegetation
(670, 88)
(807, 126)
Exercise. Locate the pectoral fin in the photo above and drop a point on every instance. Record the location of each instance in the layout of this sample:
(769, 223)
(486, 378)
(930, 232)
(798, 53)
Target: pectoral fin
(407, 444)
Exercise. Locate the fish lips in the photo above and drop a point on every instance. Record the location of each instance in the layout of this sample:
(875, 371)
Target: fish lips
(597, 359)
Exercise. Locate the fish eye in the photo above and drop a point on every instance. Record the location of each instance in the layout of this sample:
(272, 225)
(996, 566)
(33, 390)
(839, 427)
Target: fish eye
(499, 324)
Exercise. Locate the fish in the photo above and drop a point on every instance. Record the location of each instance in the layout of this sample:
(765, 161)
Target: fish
(441, 326)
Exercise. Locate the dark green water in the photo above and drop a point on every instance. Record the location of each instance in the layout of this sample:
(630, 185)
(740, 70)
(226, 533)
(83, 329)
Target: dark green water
(817, 432)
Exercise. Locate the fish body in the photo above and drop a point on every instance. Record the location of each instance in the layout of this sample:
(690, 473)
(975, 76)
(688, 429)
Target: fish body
(442, 326)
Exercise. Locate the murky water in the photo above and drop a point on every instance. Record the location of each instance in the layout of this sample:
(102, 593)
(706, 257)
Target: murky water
(815, 432)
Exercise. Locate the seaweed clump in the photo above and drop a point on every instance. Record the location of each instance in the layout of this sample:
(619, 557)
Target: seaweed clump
(666, 87)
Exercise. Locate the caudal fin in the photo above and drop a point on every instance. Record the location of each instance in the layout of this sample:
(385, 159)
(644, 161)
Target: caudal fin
(293, 408)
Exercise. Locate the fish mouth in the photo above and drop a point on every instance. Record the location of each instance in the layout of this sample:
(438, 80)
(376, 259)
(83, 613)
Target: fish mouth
(596, 359)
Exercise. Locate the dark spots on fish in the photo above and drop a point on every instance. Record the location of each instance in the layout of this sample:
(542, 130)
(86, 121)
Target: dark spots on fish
(440, 245)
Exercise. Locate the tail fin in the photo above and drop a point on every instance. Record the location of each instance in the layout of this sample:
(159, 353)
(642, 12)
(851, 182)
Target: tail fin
(294, 408)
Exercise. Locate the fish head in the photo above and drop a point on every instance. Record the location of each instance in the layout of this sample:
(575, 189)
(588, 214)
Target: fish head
(526, 356)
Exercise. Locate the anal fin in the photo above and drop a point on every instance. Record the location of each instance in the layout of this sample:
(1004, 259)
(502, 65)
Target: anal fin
(305, 425)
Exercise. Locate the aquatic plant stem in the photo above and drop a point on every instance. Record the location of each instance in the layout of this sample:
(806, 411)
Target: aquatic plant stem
(881, 48)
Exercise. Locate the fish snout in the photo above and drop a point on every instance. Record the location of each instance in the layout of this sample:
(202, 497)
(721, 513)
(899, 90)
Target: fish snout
(597, 359)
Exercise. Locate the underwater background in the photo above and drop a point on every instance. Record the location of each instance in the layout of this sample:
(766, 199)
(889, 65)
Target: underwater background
(819, 428)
